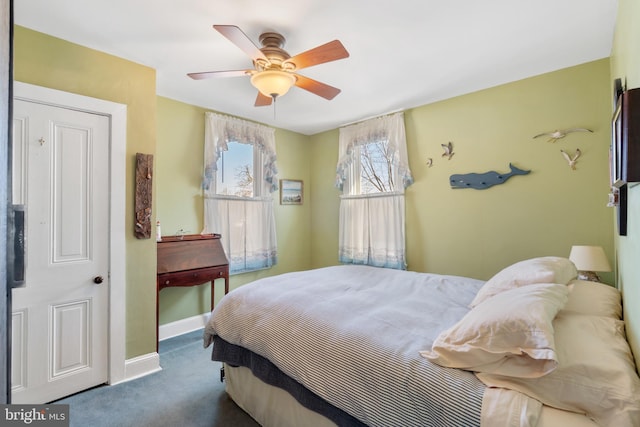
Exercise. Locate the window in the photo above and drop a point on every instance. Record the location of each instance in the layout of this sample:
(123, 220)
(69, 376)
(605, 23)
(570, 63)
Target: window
(240, 175)
(375, 168)
(234, 176)
(372, 173)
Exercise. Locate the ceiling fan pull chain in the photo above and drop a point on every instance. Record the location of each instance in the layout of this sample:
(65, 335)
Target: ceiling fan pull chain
(274, 107)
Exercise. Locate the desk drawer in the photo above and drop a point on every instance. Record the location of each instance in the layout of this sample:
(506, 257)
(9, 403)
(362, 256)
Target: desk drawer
(191, 277)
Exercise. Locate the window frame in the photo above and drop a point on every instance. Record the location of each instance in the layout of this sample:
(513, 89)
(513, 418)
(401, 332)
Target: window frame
(357, 167)
(257, 166)
(353, 182)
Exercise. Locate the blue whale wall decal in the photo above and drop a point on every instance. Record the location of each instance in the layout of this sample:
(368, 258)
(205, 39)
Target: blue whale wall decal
(480, 181)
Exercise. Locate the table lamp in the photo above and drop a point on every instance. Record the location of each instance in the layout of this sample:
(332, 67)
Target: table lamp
(588, 260)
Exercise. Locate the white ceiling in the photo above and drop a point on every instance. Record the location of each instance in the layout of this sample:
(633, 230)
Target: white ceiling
(403, 53)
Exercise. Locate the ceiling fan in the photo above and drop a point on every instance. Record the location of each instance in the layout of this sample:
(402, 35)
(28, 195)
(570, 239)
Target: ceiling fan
(275, 71)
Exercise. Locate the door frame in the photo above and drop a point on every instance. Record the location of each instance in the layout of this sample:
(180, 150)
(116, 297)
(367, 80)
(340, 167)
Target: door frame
(117, 114)
(6, 74)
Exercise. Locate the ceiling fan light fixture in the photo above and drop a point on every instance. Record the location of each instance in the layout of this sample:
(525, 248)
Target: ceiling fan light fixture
(273, 83)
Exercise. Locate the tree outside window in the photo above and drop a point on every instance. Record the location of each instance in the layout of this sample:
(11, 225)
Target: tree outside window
(235, 174)
(377, 171)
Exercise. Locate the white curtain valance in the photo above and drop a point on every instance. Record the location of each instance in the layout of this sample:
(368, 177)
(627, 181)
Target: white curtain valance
(221, 129)
(391, 128)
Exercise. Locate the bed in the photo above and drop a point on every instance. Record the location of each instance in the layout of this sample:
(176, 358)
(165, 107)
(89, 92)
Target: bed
(366, 346)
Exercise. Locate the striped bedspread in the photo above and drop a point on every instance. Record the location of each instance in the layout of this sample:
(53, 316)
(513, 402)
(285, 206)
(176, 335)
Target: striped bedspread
(352, 335)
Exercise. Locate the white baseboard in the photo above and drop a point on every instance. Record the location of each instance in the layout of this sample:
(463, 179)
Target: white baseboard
(140, 366)
(149, 363)
(179, 327)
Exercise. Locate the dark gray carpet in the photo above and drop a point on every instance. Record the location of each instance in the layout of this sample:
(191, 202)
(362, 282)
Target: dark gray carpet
(187, 392)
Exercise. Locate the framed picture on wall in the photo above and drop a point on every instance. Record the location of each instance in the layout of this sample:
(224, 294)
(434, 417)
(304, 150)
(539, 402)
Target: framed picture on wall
(291, 192)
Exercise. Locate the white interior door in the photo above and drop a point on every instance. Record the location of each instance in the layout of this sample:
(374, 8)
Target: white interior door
(60, 315)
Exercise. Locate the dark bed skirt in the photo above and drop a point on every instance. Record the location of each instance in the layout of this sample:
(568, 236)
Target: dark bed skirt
(267, 372)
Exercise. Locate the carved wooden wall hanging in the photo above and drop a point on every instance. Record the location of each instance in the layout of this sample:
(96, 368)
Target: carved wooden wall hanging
(144, 175)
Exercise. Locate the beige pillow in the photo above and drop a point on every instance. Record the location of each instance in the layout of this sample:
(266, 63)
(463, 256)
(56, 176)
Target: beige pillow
(510, 334)
(594, 298)
(536, 270)
(596, 373)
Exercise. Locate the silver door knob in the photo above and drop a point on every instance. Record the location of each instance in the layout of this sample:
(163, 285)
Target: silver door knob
(97, 280)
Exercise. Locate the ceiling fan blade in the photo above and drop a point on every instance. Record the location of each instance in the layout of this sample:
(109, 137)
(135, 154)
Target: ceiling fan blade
(316, 87)
(328, 52)
(240, 39)
(262, 100)
(217, 74)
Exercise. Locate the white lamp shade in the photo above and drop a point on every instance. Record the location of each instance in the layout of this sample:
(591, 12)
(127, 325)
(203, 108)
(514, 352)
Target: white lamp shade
(589, 258)
(273, 83)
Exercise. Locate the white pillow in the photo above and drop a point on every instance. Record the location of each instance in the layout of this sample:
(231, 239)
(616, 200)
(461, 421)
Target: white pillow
(510, 334)
(594, 298)
(536, 270)
(596, 374)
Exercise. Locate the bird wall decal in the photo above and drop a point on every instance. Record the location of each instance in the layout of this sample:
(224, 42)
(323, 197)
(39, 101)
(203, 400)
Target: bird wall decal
(429, 162)
(448, 150)
(572, 160)
(557, 134)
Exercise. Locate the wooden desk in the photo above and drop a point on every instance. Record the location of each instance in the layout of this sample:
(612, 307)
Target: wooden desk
(190, 260)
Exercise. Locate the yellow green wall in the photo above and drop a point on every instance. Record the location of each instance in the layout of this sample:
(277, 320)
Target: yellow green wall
(50, 62)
(323, 149)
(179, 202)
(179, 195)
(625, 64)
(477, 232)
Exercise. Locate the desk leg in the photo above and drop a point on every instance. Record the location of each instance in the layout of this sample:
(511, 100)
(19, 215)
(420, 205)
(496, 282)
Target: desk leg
(226, 290)
(213, 287)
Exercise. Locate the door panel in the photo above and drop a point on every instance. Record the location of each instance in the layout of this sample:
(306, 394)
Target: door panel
(70, 194)
(70, 343)
(65, 184)
(18, 349)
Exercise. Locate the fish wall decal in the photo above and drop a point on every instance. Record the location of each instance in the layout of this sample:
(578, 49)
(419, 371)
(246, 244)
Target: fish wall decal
(481, 181)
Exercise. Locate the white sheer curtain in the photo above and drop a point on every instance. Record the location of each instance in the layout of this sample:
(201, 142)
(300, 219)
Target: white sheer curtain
(372, 226)
(247, 225)
(248, 231)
